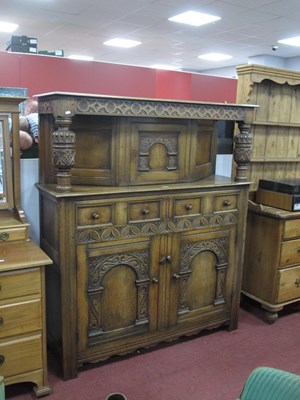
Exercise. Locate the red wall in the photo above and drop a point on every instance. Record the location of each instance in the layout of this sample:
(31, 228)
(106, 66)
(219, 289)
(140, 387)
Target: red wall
(40, 74)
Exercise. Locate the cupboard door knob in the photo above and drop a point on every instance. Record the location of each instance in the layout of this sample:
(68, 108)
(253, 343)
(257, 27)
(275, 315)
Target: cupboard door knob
(169, 259)
(297, 282)
(188, 207)
(176, 276)
(95, 215)
(2, 359)
(145, 211)
(1, 321)
(154, 280)
(4, 236)
(227, 203)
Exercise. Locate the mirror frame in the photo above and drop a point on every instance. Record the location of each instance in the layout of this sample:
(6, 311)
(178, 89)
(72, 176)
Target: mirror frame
(8, 201)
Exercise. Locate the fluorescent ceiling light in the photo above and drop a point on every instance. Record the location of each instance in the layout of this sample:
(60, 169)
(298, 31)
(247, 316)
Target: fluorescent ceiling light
(294, 41)
(194, 18)
(83, 58)
(215, 57)
(8, 27)
(126, 43)
(165, 66)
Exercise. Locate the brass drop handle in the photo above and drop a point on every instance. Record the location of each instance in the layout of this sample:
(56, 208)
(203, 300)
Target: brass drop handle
(2, 359)
(95, 215)
(297, 282)
(154, 280)
(176, 276)
(188, 207)
(169, 259)
(145, 211)
(4, 236)
(1, 321)
(227, 203)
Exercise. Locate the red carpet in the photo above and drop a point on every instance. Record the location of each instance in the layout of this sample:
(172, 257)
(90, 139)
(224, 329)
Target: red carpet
(211, 366)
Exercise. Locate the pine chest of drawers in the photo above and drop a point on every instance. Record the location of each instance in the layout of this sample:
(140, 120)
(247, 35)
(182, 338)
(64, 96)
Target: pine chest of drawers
(272, 258)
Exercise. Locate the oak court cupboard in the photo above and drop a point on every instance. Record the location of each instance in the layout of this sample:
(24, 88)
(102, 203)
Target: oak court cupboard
(147, 242)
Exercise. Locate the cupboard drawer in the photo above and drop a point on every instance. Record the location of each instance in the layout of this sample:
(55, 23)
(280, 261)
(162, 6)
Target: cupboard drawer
(13, 234)
(291, 229)
(21, 355)
(144, 210)
(20, 318)
(99, 214)
(289, 284)
(187, 206)
(290, 253)
(19, 284)
(225, 202)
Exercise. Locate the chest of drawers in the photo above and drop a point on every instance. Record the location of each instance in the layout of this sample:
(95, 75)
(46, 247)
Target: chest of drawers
(23, 356)
(272, 259)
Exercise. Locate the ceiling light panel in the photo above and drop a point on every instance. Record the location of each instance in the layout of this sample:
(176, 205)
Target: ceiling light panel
(125, 43)
(215, 57)
(293, 41)
(194, 18)
(8, 27)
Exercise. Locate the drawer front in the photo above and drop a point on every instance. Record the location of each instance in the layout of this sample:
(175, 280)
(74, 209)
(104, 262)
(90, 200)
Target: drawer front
(225, 202)
(289, 284)
(20, 318)
(13, 234)
(291, 229)
(290, 253)
(149, 210)
(21, 355)
(188, 206)
(19, 284)
(99, 214)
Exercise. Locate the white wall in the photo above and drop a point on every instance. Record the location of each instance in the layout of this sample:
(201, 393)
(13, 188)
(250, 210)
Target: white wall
(30, 196)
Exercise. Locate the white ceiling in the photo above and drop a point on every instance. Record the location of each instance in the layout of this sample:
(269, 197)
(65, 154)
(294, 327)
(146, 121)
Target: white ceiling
(248, 28)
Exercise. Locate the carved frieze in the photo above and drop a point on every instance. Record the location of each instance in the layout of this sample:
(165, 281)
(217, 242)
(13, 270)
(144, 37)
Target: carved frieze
(117, 232)
(152, 108)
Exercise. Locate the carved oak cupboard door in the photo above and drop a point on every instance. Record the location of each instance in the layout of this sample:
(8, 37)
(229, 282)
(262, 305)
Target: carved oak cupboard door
(202, 279)
(117, 292)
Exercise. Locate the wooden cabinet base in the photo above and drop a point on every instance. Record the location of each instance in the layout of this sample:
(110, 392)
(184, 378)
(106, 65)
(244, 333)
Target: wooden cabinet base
(271, 310)
(38, 378)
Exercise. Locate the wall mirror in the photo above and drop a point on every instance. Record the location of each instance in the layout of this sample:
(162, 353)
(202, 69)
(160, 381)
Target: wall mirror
(6, 191)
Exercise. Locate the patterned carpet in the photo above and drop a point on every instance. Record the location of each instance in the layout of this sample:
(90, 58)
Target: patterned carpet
(210, 366)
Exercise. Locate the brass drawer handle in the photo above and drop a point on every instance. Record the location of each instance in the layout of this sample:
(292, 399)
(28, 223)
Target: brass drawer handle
(227, 203)
(2, 359)
(145, 211)
(95, 215)
(4, 236)
(297, 282)
(188, 207)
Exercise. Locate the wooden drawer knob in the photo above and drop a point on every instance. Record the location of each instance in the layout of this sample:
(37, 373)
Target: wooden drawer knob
(95, 215)
(4, 236)
(297, 282)
(1, 321)
(2, 359)
(227, 203)
(145, 211)
(188, 207)
(154, 280)
(176, 276)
